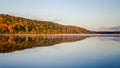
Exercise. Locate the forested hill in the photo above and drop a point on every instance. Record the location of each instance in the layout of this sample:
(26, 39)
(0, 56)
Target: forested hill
(18, 25)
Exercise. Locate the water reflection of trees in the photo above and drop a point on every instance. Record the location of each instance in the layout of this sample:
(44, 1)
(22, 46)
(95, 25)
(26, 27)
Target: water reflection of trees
(10, 43)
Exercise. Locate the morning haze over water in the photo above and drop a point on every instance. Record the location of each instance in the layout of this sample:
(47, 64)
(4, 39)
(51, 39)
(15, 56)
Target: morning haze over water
(60, 33)
(59, 50)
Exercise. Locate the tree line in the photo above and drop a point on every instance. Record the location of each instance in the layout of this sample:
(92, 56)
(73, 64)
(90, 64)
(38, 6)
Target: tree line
(18, 25)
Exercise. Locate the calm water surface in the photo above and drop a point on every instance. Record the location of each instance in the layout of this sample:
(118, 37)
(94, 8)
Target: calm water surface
(67, 51)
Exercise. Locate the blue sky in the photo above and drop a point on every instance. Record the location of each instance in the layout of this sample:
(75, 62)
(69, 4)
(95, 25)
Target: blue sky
(90, 14)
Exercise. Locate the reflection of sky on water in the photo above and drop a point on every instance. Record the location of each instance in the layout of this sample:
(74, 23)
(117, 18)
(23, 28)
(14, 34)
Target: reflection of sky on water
(91, 52)
(116, 39)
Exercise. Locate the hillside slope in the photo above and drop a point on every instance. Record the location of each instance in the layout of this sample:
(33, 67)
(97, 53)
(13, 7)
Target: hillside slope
(18, 25)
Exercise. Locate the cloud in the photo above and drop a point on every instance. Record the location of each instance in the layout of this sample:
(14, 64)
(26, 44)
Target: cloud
(57, 19)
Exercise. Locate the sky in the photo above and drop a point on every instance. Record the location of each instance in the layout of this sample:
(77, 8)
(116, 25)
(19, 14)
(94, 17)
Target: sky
(89, 14)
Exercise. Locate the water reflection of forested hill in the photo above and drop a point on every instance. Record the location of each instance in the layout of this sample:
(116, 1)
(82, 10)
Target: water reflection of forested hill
(10, 43)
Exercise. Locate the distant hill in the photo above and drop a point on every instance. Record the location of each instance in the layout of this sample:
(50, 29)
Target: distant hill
(17, 25)
(109, 30)
(116, 28)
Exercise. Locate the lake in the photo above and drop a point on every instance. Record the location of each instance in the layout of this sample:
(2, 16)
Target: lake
(60, 51)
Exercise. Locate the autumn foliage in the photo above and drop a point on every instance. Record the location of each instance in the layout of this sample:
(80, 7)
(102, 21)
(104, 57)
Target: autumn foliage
(18, 25)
